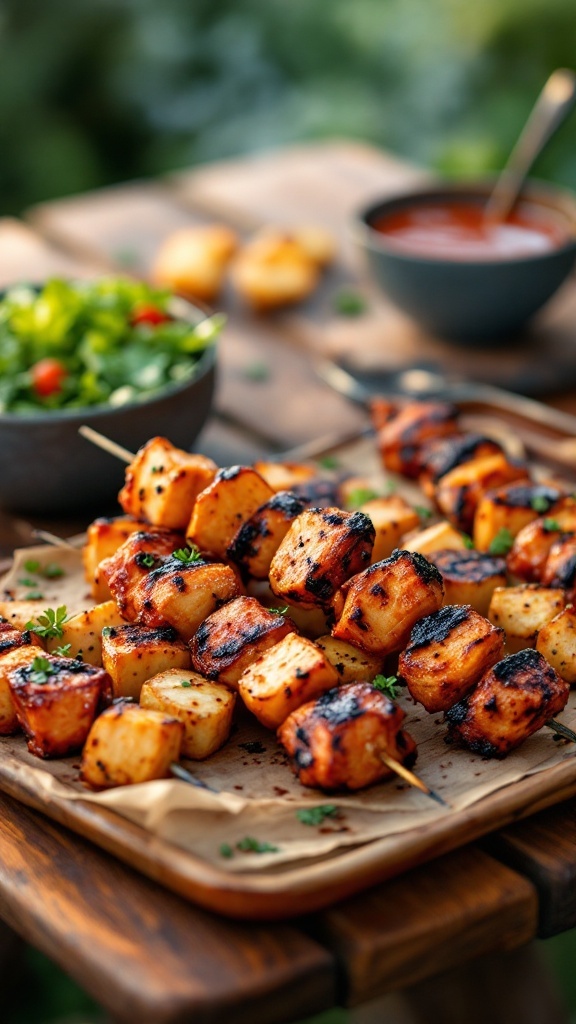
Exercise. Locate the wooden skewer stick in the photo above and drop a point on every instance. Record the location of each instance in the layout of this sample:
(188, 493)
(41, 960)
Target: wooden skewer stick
(106, 444)
(405, 773)
(562, 730)
(51, 538)
(185, 776)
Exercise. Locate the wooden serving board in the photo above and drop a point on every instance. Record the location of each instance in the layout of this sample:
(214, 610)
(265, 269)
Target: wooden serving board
(301, 886)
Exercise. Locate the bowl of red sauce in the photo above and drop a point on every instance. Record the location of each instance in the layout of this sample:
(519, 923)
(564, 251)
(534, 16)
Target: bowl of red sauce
(461, 276)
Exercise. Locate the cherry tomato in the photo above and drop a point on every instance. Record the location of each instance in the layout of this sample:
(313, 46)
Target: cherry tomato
(147, 314)
(47, 377)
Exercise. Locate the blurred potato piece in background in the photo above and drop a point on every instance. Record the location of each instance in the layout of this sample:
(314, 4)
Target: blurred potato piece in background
(274, 269)
(193, 260)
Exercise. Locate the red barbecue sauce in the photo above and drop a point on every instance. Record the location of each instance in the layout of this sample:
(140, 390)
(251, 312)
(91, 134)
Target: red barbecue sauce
(459, 231)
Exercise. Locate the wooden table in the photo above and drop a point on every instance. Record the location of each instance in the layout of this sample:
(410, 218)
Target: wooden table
(142, 952)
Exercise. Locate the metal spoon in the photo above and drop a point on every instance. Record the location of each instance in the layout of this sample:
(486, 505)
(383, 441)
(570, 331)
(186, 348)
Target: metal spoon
(553, 104)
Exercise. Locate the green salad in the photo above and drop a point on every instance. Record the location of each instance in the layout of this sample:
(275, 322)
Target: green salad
(105, 342)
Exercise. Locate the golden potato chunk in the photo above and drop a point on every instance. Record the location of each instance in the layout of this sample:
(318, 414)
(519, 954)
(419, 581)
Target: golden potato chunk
(258, 539)
(131, 654)
(532, 545)
(449, 651)
(204, 708)
(56, 700)
(513, 700)
(458, 493)
(403, 438)
(438, 537)
(351, 663)
(233, 637)
(322, 549)
(128, 744)
(15, 657)
(337, 741)
(511, 508)
(163, 482)
(284, 677)
(274, 269)
(470, 577)
(222, 508)
(193, 260)
(103, 538)
(377, 608)
(521, 611)
(19, 613)
(391, 518)
(183, 595)
(557, 643)
(83, 632)
(283, 476)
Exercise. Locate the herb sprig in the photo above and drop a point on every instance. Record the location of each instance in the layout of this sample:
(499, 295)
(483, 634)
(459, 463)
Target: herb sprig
(50, 623)
(387, 684)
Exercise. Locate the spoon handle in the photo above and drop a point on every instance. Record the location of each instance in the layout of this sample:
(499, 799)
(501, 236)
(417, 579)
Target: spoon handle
(553, 104)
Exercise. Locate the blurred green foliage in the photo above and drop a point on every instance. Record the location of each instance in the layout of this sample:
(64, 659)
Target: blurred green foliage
(96, 91)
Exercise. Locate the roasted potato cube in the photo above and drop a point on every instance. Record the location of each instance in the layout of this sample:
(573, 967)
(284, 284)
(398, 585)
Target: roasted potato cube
(521, 611)
(20, 613)
(377, 608)
(403, 438)
(235, 636)
(391, 518)
(438, 537)
(449, 651)
(510, 508)
(234, 496)
(84, 632)
(56, 701)
(513, 700)
(337, 741)
(470, 577)
(193, 260)
(351, 663)
(557, 643)
(258, 539)
(128, 744)
(283, 476)
(131, 654)
(183, 595)
(127, 569)
(459, 491)
(284, 677)
(205, 709)
(312, 622)
(442, 455)
(322, 549)
(15, 657)
(560, 567)
(532, 545)
(163, 482)
(103, 537)
(273, 269)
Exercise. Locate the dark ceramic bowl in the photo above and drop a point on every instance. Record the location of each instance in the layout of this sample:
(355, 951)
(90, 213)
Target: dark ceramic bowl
(469, 300)
(47, 467)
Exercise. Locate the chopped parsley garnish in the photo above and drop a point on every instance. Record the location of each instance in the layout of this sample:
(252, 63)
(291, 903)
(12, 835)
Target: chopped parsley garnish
(316, 815)
(349, 303)
(278, 611)
(468, 542)
(63, 651)
(501, 543)
(34, 595)
(50, 571)
(107, 630)
(50, 623)
(226, 851)
(25, 582)
(360, 496)
(251, 845)
(147, 560)
(386, 684)
(423, 512)
(188, 555)
(41, 670)
(32, 566)
(185, 682)
(540, 503)
(257, 372)
(329, 462)
(551, 525)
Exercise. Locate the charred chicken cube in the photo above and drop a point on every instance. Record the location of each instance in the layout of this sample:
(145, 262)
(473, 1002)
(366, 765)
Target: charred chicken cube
(258, 539)
(56, 700)
(131, 654)
(322, 549)
(128, 744)
(351, 663)
(512, 701)
(557, 643)
(560, 567)
(204, 708)
(470, 577)
(532, 545)
(377, 608)
(82, 633)
(391, 518)
(283, 476)
(220, 510)
(128, 567)
(103, 538)
(511, 508)
(521, 611)
(438, 537)
(233, 637)
(337, 741)
(183, 594)
(284, 677)
(458, 493)
(402, 439)
(163, 482)
(15, 657)
(443, 455)
(449, 651)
